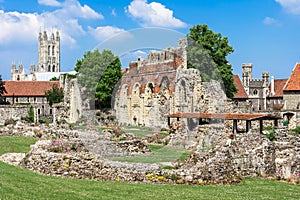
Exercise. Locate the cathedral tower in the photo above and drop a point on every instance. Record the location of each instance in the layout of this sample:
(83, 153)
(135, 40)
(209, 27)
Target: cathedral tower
(49, 53)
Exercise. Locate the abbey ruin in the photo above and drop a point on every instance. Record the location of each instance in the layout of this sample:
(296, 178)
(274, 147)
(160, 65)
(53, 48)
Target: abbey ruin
(226, 138)
(161, 84)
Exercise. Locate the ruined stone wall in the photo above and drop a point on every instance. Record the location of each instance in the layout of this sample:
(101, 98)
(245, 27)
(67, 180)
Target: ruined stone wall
(73, 104)
(292, 100)
(146, 92)
(160, 85)
(15, 112)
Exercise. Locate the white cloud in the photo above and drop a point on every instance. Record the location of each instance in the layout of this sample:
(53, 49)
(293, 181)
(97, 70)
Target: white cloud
(17, 27)
(153, 14)
(271, 21)
(135, 54)
(292, 6)
(49, 3)
(72, 8)
(102, 33)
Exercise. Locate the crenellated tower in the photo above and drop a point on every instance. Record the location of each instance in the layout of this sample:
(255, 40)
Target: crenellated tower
(48, 52)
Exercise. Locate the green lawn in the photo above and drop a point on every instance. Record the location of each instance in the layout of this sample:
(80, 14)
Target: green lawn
(16, 183)
(14, 144)
(158, 154)
(139, 131)
(19, 183)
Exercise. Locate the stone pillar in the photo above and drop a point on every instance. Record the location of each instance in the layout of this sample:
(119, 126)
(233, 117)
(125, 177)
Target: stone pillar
(234, 131)
(36, 115)
(248, 126)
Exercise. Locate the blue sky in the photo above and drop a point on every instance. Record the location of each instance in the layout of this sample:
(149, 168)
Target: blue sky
(265, 33)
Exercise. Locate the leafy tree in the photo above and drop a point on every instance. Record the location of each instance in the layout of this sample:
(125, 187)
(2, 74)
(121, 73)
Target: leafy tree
(54, 79)
(207, 52)
(99, 73)
(54, 95)
(2, 91)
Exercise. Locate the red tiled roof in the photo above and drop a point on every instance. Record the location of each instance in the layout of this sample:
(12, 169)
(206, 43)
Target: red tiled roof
(228, 116)
(241, 93)
(278, 87)
(294, 81)
(28, 88)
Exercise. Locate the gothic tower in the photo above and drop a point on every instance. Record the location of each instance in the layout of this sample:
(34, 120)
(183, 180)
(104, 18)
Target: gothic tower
(49, 53)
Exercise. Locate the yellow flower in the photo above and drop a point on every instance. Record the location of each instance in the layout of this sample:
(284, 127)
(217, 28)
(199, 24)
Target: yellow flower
(160, 178)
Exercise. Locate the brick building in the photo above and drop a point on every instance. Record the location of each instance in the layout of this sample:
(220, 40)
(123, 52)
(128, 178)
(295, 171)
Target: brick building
(291, 90)
(30, 92)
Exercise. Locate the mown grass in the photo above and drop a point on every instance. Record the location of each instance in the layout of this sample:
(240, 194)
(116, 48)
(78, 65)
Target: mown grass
(138, 131)
(14, 144)
(158, 154)
(17, 183)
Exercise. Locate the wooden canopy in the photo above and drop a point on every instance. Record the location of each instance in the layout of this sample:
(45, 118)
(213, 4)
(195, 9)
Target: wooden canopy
(228, 116)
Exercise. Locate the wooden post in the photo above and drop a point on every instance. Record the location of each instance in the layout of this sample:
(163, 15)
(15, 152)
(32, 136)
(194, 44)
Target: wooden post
(261, 126)
(276, 122)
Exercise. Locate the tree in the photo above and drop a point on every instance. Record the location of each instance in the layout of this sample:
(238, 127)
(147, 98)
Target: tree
(2, 91)
(54, 95)
(54, 79)
(99, 73)
(207, 52)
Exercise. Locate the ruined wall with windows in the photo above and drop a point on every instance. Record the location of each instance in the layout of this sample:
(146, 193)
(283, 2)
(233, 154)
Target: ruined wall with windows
(160, 85)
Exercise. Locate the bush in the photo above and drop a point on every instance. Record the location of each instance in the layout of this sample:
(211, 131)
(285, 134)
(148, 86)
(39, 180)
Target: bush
(270, 133)
(45, 120)
(297, 129)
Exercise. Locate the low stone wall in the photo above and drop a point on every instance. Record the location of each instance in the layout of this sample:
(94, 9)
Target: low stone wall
(287, 150)
(244, 155)
(83, 165)
(15, 112)
(223, 160)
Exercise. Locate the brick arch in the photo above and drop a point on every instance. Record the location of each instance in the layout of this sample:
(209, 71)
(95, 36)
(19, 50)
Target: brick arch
(150, 86)
(164, 84)
(136, 89)
(124, 90)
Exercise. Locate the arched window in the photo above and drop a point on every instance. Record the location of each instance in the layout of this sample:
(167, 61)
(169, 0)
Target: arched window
(48, 50)
(136, 89)
(53, 50)
(182, 91)
(255, 92)
(49, 68)
(53, 68)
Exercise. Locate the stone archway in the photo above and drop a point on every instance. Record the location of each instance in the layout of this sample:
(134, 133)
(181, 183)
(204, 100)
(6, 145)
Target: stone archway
(288, 119)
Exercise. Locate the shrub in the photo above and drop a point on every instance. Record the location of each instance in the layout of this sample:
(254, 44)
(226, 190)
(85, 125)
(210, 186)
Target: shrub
(277, 107)
(45, 120)
(269, 133)
(297, 129)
